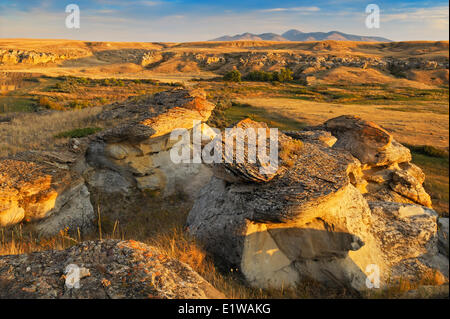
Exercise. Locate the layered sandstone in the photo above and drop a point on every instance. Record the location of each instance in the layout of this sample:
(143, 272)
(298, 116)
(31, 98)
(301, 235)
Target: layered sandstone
(386, 164)
(45, 192)
(138, 152)
(312, 220)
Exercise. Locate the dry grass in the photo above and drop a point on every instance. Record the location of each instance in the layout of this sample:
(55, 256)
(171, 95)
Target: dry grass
(26, 131)
(289, 150)
(159, 223)
(403, 286)
(417, 128)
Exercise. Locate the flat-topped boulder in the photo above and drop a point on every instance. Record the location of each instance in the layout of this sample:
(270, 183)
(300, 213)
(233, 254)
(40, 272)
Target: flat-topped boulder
(305, 214)
(157, 115)
(101, 270)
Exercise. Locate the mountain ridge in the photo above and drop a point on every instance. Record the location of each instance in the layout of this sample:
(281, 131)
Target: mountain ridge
(297, 35)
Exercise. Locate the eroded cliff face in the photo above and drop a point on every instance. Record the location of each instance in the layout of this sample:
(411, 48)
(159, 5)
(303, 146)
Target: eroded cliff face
(13, 57)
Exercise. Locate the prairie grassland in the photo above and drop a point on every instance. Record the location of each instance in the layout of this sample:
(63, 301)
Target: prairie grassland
(416, 128)
(416, 117)
(33, 131)
(67, 92)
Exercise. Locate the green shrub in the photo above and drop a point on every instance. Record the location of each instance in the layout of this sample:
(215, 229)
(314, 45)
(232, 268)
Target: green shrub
(79, 104)
(233, 76)
(79, 132)
(260, 76)
(428, 150)
(284, 75)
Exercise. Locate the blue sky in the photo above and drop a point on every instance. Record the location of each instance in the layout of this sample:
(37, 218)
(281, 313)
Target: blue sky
(198, 20)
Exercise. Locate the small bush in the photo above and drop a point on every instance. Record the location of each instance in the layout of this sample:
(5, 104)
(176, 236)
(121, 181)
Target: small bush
(49, 104)
(79, 132)
(428, 150)
(260, 76)
(284, 75)
(79, 105)
(233, 76)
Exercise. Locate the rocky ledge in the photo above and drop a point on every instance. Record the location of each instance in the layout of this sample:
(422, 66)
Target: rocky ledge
(39, 187)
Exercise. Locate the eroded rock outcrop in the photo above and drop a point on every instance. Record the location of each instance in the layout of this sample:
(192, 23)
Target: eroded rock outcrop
(107, 269)
(39, 187)
(57, 190)
(137, 152)
(311, 219)
(12, 56)
(385, 162)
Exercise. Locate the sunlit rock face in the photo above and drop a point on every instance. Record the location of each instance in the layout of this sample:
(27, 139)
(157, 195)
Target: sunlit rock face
(139, 150)
(312, 220)
(11, 57)
(44, 192)
(385, 162)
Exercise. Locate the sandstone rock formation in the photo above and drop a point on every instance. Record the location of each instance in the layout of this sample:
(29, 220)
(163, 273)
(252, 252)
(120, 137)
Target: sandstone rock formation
(385, 163)
(108, 269)
(56, 190)
(45, 191)
(137, 152)
(311, 219)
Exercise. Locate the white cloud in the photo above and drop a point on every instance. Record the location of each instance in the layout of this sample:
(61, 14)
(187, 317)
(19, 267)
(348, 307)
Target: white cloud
(149, 3)
(417, 14)
(297, 9)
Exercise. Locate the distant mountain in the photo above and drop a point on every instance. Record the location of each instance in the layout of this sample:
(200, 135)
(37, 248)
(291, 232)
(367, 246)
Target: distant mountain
(254, 37)
(296, 35)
